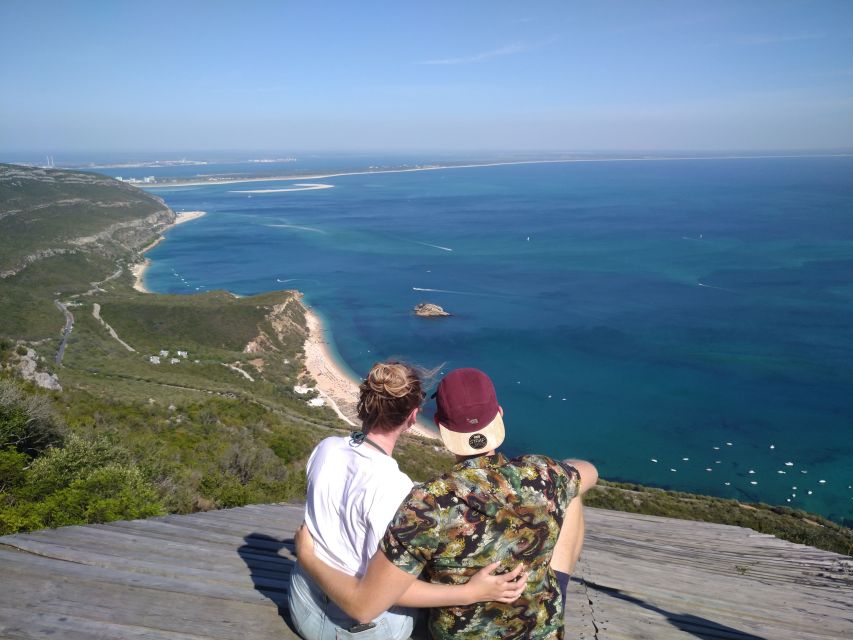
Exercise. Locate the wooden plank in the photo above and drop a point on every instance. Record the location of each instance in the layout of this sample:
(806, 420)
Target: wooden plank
(25, 567)
(112, 546)
(640, 577)
(17, 624)
(202, 613)
(153, 566)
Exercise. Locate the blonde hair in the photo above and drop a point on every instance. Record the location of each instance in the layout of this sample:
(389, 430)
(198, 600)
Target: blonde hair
(387, 395)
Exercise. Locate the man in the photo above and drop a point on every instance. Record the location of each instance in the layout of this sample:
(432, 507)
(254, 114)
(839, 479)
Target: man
(487, 508)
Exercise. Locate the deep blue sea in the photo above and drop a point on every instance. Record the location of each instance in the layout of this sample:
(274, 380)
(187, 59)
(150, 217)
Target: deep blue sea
(686, 324)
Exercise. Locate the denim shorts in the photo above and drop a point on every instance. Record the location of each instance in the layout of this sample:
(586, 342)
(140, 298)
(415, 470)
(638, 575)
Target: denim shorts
(315, 617)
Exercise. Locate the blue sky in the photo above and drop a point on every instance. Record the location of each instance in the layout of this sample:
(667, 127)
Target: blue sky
(86, 75)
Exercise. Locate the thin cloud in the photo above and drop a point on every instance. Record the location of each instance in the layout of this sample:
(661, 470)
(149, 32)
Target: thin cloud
(760, 39)
(508, 50)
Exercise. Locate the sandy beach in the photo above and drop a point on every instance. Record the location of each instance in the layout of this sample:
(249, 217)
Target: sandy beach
(138, 270)
(337, 386)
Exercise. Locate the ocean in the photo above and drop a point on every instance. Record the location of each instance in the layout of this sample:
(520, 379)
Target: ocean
(686, 324)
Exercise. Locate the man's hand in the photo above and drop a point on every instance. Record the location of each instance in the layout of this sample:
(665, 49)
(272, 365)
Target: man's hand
(484, 586)
(304, 542)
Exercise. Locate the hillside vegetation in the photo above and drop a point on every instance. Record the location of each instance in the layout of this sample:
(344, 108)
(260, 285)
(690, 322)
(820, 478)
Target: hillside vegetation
(182, 403)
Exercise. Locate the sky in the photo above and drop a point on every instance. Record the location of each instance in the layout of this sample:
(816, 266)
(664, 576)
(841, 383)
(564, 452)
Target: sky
(563, 75)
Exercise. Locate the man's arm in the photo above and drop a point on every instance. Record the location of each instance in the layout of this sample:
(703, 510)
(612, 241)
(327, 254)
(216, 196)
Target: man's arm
(570, 541)
(567, 550)
(588, 474)
(385, 584)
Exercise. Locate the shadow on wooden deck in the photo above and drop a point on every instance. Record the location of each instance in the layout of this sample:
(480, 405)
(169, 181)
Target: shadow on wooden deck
(266, 567)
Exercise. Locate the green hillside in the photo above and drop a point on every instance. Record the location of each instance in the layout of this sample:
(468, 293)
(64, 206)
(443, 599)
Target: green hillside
(180, 403)
(162, 408)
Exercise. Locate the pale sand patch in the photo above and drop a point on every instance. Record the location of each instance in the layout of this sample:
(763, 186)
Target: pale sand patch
(138, 270)
(186, 216)
(295, 187)
(337, 386)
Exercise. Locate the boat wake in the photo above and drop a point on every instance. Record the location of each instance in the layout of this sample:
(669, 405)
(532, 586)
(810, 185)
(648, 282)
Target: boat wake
(295, 226)
(434, 246)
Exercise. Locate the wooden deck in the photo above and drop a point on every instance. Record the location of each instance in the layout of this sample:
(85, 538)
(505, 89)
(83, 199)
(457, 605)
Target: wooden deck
(224, 575)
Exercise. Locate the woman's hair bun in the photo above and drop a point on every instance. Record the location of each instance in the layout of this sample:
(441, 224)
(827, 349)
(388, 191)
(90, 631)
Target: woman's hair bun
(387, 395)
(390, 379)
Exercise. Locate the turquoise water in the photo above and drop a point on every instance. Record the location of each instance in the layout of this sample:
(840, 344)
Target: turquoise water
(627, 311)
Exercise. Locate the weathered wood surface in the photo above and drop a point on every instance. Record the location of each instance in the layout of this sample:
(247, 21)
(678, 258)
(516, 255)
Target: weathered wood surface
(224, 575)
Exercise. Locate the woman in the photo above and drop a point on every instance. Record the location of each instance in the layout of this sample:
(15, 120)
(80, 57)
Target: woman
(354, 489)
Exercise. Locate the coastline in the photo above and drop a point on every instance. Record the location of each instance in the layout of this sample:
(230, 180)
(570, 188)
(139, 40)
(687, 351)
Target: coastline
(320, 176)
(336, 385)
(138, 270)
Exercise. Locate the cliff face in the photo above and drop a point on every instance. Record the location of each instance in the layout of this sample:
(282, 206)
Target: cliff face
(49, 212)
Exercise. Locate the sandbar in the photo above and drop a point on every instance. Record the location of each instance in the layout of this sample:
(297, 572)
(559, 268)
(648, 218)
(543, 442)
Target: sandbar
(336, 384)
(445, 167)
(295, 187)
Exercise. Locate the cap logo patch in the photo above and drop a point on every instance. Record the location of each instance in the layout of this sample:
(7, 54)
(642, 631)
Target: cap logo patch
(473, 421)
(477, 441)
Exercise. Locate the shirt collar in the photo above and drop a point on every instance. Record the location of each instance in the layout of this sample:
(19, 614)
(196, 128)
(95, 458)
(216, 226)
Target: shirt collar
(481, 462)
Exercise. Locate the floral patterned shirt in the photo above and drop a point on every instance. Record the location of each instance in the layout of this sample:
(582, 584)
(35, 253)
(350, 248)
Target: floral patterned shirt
(488, 509)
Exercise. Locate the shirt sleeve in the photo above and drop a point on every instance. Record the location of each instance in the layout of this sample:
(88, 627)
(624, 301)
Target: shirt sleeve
(569, 487)
(414, 534)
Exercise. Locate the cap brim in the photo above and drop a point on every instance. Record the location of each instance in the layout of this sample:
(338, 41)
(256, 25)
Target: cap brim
(460, 443)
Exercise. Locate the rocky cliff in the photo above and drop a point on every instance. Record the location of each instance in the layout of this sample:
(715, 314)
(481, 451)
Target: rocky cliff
(49, 212)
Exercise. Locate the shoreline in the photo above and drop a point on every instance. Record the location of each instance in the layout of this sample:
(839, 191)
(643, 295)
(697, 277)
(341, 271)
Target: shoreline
(138, 270)
(320, 176)
(335, 383)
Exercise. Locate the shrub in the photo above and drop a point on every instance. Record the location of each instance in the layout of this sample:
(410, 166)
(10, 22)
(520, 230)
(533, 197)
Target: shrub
(113, 492)
(12, 469)
(60, 467)
(28, 422)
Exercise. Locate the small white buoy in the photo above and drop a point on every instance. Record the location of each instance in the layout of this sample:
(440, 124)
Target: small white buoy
(810, 492)
(772, 446)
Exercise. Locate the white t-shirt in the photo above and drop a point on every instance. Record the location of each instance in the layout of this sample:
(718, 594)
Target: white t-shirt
(353, 492)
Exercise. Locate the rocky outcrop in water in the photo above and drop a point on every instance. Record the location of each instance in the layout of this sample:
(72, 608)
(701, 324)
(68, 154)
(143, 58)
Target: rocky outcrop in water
(429, 310)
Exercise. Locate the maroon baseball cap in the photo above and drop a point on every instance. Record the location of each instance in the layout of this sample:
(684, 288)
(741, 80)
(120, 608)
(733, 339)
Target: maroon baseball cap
(468, 414)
